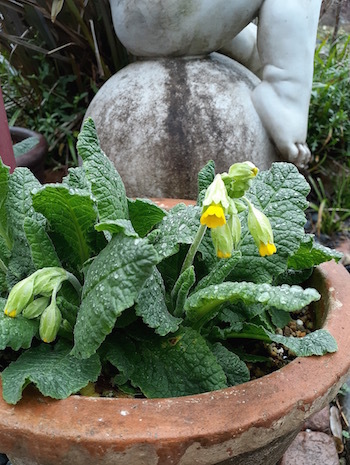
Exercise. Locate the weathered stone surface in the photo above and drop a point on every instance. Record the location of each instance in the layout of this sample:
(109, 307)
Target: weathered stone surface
(311, 448)
(319, 421)
(161, 121)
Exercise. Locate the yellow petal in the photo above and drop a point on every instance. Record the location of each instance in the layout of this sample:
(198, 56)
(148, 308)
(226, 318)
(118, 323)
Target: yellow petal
(267, 249)
(223, 254)
(213, 216)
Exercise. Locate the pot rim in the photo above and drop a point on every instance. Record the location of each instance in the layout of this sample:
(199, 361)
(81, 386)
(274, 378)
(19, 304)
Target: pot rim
(295, 392)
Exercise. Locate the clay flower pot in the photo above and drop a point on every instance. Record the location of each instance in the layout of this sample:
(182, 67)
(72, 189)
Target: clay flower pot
(252, 423)
(34, 158)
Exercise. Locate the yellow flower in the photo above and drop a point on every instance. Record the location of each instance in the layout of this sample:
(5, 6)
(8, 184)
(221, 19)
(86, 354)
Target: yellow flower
(20, 296)
(267, 249)
(221, 254)
(213, 216)
(222, 241)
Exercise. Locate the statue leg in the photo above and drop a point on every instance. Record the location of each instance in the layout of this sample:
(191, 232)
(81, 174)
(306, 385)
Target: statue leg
(243, 48)
(286, 43)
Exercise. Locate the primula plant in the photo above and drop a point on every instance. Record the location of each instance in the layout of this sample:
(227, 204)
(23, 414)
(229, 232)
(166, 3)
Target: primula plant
(95, 284)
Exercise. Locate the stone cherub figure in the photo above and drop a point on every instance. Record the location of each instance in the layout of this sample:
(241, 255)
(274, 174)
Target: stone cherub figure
(279, 50)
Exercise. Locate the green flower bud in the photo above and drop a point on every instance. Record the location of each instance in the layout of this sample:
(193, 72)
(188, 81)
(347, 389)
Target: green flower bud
(235, 227)
(216, 193)
(223, 241)
(261, 231)
(36, 308)
(50, 322)
(20, 295)
(238, 179)
(48, 279)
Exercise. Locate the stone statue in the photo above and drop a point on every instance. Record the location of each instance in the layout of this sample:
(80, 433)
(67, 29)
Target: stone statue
(176, 34)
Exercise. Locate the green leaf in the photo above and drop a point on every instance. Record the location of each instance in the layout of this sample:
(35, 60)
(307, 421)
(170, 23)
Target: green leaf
(319, 342)
(117, 226)
(76, 179)
(112, 284)
(202, 305)
(235, 370)
(16, 333)
(42, 250)
(311, 254)
(281, 194)
(54, 372)
(279, 318)
(178, 227)
(4, 229)
(181, 290)
(205, 178)
(220, 271)
(71, 214)
(106, 184)
(144, 215)
(178, 365)
(25, 146)
(151, 306)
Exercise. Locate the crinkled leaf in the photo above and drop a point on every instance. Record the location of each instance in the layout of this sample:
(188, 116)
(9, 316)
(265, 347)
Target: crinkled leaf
(144, 215)
(72, 215)
(178, 365)
(279, 318)
(117, 226)
(16, 333)
(53, 370)
(311, 254)
(76, 179)
(106, 183)
(205, 177)
(25, 145)
(4, 228)
(42, 249)
(292, 277)
(235, 370)
(281, 194)
(220, 271)
(178, 227)
(201, 305)
(112, 284)
(181, 290)
(319, 342)
(151, 306)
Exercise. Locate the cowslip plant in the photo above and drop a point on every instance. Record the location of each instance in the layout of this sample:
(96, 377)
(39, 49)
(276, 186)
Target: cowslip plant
(94, 283)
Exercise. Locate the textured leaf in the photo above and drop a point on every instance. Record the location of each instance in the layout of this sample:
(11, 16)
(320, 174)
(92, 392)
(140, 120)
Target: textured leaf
(76, 179)
(178, 227)
(152, 308)
(4, 229)
(311, 254)
(319, 342)
(281, 194)
(16, 333)
(201, 305)
(219, 272)
(112, 284)
(54, 372)
(42, 250)
(178, 365)
(235, 370)
(279, 318)
(72, 215)
(205, 177)
(144, 214)
(181, 290)
(106, 184)
(117, 226)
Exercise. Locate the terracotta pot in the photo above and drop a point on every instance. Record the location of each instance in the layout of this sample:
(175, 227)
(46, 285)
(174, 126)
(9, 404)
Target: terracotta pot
(34, 159)
(250, 424)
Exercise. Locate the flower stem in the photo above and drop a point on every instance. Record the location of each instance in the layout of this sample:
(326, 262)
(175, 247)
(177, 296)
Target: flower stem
(74, 282)
(3, 267)
(194, 247)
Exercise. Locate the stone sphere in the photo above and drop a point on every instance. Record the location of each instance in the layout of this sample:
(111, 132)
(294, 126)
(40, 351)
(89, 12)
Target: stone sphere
(161, 120)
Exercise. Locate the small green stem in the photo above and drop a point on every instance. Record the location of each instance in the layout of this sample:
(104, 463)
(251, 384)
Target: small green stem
(193, 249)
(258, 337)
(74, 282)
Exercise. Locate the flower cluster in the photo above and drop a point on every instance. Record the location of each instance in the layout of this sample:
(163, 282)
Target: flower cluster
(32, 297)
(223, 201)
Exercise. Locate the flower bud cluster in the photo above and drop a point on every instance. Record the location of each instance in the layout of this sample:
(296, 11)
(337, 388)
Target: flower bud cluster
(221, 205)
(35, 297)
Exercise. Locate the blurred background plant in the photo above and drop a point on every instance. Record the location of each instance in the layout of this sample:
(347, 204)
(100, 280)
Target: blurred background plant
(54, 56)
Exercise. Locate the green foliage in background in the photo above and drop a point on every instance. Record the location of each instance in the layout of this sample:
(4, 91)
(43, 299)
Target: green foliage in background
(55, 56)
